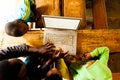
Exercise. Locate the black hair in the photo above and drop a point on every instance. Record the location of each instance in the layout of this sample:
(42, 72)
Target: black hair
(54, 77)
(9, 71)
(16, 28)
(53, 74)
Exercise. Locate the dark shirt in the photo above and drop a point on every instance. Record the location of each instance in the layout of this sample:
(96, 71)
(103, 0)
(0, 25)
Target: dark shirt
(32, 65)
(13, 51)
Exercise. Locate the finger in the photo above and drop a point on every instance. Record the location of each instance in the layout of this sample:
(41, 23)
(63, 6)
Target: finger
(50, 51)
(50, 46)
(46, 43)
(66, 54)
(59, 48)
(66, 51)
(49, 43)
(58, 53)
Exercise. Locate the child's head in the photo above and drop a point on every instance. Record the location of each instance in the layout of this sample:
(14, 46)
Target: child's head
(16, 28)
(53, 74)
(12, 69)
(87, 56)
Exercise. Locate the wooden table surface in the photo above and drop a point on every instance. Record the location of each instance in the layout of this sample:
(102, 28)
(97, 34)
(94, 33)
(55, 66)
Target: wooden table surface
(87, 40)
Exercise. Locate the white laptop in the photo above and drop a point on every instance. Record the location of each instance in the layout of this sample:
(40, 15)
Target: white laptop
(61, 22)
(61, 31)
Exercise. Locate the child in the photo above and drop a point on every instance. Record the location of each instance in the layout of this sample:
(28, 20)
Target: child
(94, 66)
(12, 68)
(16, 23)
(16, 28)
(53, 74)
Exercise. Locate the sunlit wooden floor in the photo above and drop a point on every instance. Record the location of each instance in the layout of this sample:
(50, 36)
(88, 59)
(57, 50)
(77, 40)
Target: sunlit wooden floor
(6, 40)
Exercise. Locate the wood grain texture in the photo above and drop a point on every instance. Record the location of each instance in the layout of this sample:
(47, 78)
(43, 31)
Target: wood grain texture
(99, 15)
(90, 39)
(116, 76)
(46, 7)
(75, 8)
(87, 40)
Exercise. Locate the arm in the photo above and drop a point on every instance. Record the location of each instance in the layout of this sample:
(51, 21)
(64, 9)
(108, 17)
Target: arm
(45, 68)
(102, 53)
(23, 50)
(13, 51)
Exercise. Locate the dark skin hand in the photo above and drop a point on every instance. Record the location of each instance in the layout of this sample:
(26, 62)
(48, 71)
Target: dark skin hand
(88, 57)
(44, 49)
(56, 55)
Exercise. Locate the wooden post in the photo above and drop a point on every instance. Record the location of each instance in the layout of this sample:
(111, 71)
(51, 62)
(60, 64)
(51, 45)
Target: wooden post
(75, 8)
(99, 15)
(47, 7)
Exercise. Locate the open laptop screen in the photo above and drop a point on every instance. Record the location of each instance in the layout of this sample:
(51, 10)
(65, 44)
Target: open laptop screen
(61, 22)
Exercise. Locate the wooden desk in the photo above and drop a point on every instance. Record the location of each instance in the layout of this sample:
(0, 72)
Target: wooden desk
(87, 39)
(86, 42)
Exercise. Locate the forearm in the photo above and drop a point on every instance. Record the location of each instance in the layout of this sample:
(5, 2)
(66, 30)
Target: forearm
(102, 53)
(32, 50)
(46, 65)
(13, 51)
(99, 51)
(45, 68)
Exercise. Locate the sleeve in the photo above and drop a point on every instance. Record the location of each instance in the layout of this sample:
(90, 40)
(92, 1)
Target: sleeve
(25, 10)
(102, 53)
(13, 51)
(33, 6)
(62, 67)
(28, 10)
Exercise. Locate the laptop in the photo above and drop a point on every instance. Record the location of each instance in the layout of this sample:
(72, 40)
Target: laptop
(62, 31)
(61, 22)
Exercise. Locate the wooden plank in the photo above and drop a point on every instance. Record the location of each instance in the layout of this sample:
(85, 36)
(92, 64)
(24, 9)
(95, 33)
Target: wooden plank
(1, 38)
(86, 42)
(99, 14)
(75, 8)
(90, 39)
(48, 7)
(116, 76)
(9, 40)
(34, 38)
(87, 39)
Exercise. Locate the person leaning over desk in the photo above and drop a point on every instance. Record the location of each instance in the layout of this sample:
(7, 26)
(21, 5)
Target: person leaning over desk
(92, 66)
(12, 68)
(16, 23)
